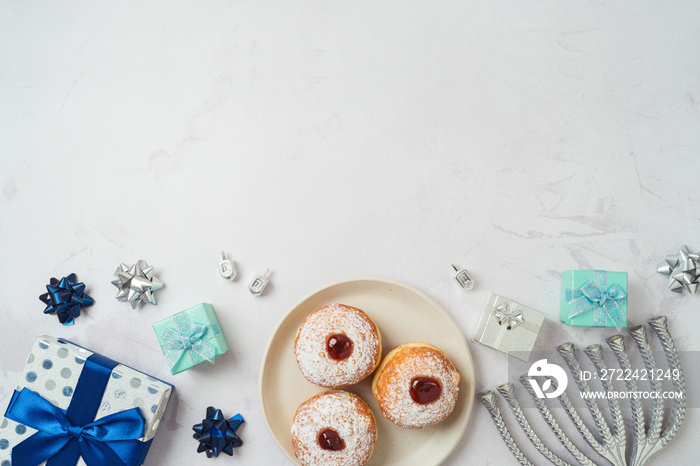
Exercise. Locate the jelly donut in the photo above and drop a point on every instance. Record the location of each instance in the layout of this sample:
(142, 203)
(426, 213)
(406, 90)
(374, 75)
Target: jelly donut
(416, 385)
(334, 427)
(337, 346)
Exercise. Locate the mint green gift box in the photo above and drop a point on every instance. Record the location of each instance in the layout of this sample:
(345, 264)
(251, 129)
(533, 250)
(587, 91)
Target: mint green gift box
(598, 298)
(190, 338)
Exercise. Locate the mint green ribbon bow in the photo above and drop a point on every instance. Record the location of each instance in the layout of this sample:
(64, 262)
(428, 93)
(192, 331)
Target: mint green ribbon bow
(189, 339)
(606, 303)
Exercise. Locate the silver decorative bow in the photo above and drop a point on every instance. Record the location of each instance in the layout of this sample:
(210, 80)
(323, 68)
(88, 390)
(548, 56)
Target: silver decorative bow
(189, 339)
(136, 283)
(683, 270)
(511, 318)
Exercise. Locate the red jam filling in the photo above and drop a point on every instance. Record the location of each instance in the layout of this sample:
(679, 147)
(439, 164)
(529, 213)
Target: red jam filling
(329, 439)
(339, 346)
(425, 390)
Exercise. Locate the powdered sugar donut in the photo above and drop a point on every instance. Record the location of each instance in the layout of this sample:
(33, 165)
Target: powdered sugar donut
(416, 385)
(337, 346)
(334, 427)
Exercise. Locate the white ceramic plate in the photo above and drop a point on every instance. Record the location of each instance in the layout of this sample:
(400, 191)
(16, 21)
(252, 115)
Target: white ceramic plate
(403, 314)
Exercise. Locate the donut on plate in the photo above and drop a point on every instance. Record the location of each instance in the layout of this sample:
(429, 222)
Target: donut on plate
(334, 428)
(416, 385)
(337, 346)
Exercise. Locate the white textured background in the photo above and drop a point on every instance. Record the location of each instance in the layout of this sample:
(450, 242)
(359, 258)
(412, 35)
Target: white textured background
(333, 139)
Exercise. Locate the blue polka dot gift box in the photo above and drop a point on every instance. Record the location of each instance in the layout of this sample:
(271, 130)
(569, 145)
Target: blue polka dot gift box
(73, 406)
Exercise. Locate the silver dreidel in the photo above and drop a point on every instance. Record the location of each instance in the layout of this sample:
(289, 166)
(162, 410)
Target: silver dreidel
(463, 278)
(226, 268)
(259, 282)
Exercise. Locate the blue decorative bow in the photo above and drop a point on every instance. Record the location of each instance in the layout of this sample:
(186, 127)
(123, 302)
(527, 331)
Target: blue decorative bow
(111, 440)
(190, 339)
(66, 298)
(605, 302)
(217, 434)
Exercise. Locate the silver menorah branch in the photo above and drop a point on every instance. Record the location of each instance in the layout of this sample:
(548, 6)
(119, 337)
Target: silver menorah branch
(488, 398)
(639, 333)
(614, 452)
(582, 429)
(508, 392)
(608, 441)
(554, 425)
(595, 354)
(660, 326)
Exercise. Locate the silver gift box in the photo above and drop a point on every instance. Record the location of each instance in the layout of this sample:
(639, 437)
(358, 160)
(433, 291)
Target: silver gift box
(509, 327)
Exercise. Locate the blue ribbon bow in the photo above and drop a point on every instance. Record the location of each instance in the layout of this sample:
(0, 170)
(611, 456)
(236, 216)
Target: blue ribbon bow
(217, 434)
(604, 302)
(111, 440)
(66, 298)
(191, 339)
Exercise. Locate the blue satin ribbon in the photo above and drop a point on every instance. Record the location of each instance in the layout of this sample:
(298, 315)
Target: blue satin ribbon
(606, 303)
(189, 339)
(63, 437)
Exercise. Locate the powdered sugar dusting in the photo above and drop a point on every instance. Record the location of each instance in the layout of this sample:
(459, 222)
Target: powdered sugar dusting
(343, 412)
(312, 355)
(393, 387)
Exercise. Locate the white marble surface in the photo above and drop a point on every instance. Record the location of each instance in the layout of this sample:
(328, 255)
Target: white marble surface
(327, 140)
